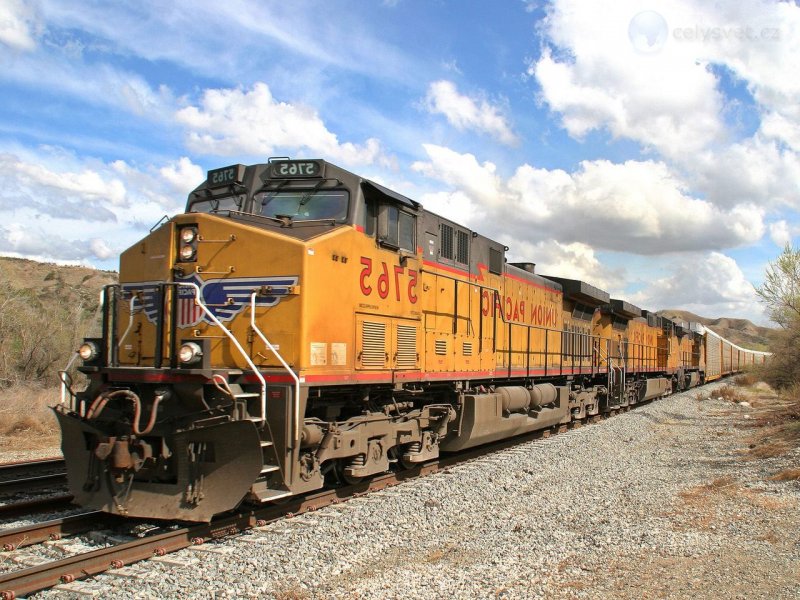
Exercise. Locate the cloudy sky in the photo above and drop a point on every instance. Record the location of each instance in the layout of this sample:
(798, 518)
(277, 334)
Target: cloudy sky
(650, 148)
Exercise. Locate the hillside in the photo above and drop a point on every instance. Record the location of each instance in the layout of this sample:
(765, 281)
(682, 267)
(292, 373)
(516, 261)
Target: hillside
(51, 283)
(740, 331)
(45, 310)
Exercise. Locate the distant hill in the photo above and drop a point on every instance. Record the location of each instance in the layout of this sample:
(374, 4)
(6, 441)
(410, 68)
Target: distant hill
(742, 332)
(50, 283)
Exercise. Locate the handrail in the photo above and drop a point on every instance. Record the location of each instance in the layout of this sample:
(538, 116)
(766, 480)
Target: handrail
(63, 377)
(130, 322)
(285, 366)
(233, 339)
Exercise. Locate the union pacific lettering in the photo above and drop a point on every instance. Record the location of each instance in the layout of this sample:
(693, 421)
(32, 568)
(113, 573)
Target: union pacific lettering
(640, 337)
(515, 310)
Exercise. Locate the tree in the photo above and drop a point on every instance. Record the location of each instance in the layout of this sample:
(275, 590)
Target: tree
(780, 291)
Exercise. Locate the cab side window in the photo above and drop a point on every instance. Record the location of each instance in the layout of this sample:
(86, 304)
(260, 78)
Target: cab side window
(396, 227)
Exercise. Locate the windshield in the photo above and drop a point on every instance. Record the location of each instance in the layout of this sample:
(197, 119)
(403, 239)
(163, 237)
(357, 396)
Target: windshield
(212, 205)
(305, 206)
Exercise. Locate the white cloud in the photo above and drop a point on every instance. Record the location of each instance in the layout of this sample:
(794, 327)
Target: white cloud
(87, 186)
(780, 233)
(187, 33)
(665, 101)
(183, 175)
(100, 248)
(573, 261)
(18, 25)
(60, 207)
(673, 101)
(95, 84)
(232, 122)
(468, 113)
(638, 207)
(712, 285)
(775, 126)
(755, 170)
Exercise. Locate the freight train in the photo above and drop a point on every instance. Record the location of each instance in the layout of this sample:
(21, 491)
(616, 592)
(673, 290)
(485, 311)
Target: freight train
(300, 326)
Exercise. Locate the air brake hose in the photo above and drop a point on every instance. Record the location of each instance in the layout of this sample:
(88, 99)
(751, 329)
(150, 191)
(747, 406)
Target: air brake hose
(100, 402)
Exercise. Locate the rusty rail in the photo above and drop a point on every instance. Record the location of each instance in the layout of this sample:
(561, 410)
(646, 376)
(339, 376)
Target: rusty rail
(37, 505)
(36, 578)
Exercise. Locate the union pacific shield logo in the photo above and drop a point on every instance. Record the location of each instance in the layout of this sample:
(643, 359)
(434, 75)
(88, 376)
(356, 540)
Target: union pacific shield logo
(224, 298)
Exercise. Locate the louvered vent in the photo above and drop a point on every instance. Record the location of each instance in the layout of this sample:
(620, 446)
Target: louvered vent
(467, 348)
(440, 347)
(406, 347)
(373, 344)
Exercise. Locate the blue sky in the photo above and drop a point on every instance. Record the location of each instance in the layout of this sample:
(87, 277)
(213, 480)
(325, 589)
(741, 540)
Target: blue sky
(648, 148)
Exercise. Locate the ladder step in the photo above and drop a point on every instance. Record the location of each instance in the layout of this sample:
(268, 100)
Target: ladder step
(266, 494)
(265, 444)
(247, 395)
(269, 469)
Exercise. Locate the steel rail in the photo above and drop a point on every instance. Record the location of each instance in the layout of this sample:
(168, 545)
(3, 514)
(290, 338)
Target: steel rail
(14, 469)
(37, 505)
(33, 579)
(33, 483)
(28, 535)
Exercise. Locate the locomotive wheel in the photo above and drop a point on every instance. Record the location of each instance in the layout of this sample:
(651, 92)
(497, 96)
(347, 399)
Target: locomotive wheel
(343, 477)
(350, 480)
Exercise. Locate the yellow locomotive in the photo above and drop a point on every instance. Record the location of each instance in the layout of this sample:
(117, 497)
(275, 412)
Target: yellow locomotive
(300, 326)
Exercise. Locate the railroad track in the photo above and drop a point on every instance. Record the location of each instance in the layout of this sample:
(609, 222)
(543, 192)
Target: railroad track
(22, 478)
(86, 564)
(15, 470)
(32, 475)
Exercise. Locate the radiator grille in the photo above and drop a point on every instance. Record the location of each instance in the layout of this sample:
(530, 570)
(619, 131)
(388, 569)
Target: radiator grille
(467, 348)
(406, 347)
(373, 344)
(440, 347)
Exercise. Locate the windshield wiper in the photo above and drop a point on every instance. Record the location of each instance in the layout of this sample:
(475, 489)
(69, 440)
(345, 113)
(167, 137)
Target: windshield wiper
(309, 194)
(331, 220)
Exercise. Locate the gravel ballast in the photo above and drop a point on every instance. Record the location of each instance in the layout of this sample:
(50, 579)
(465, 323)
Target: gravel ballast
(658, 502)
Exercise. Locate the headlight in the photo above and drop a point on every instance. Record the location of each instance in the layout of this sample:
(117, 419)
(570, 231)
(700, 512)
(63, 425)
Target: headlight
(190, 353)
(88, 351)
(188, 235)
(187, 252)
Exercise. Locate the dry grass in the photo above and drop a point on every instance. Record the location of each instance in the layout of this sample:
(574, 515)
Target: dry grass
(730, 393)
(26, 421)
(434, 556)
(293, 593)
(705, 506)
(777, 424)
(745, 379)
(791, 474)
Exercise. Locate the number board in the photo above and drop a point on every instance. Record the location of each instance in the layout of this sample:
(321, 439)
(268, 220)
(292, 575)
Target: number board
(295, 168)
(225, 176)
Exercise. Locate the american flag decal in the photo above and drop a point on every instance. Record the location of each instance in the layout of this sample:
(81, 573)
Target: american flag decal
(189, 312)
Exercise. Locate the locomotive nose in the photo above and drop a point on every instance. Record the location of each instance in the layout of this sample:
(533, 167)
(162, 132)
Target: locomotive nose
(197, 473)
